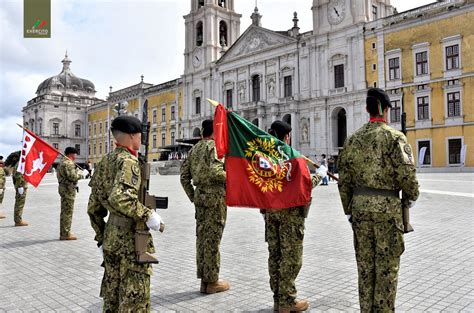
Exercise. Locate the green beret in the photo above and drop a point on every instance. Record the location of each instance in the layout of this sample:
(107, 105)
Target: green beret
(281, 128)
(127, 124)
(207, 128)
(380, 95)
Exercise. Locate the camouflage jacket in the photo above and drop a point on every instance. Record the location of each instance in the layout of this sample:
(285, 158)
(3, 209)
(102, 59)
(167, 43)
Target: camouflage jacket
(203, 168)
(379, 157)
(66, 172)
(3, 178)
(18, 180)
(114, 189)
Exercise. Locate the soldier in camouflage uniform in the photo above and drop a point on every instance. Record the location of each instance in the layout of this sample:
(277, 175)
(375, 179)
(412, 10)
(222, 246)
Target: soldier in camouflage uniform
(284, 232)
(3, 181)
(115, 183)
(375, 164)
(21, 187)
(207, 173)
(67, 179)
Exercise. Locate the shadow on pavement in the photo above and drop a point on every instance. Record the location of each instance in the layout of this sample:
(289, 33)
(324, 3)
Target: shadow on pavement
(25, 243)
(179, 296)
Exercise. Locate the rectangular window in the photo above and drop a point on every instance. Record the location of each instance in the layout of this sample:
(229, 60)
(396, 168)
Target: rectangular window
(154, 117)
(95, 150)
(55, 128)
(163, 114)
(172, 113)
(89, 149)
(106, 126)
(56, 146)
(163, 139)
(100, 128)
(106, 147)
(454, 104)
(423, 108)
(95, 129)
(78, 148)
(452, 57)
(427, 158)
(374, 12)
(77, 130)
(421, 63)
(228, 97)
(154, 141)
(395, 114)
(90, 130)
(198, 105)
(454, 151)
(339, 76)
(394, 68)
(288, 86)
(172, 138)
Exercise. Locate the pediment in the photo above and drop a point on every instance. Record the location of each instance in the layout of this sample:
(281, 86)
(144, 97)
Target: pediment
(255, 39)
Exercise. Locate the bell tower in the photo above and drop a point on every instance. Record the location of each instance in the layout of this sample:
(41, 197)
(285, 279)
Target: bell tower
(211, 27)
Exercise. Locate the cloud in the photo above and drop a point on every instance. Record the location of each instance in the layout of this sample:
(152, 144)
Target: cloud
(11, 135)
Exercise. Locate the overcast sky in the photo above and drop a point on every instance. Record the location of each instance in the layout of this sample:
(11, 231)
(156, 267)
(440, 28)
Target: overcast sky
(112, 43)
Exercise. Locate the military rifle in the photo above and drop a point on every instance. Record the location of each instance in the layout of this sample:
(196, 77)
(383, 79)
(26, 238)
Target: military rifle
(142, 232)
(405, 205)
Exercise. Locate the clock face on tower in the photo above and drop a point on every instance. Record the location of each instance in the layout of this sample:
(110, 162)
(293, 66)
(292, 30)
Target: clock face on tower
(336, 11)
(197, 57)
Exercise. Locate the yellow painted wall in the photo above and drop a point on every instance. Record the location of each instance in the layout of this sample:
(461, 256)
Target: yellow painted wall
(433, 32)
(96, 116)
(370, 59)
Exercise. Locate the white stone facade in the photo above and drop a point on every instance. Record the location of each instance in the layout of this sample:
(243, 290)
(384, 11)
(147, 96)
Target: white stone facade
(315, 80)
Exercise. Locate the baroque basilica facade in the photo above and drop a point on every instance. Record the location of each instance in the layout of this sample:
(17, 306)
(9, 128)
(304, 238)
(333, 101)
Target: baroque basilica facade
(314, 80)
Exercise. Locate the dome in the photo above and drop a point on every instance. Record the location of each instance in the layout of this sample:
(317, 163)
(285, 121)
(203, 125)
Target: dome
(66, 80)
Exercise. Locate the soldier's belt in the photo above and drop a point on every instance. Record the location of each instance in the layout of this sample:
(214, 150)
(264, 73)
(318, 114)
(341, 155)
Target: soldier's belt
(367, 191)
(119, 221)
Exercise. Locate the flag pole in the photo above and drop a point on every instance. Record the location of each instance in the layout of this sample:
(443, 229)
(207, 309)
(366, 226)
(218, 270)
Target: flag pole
(316, 165)
(54, 149)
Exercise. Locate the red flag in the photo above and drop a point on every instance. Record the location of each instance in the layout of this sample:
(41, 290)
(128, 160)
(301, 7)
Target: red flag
(36, 158)
(261, 171)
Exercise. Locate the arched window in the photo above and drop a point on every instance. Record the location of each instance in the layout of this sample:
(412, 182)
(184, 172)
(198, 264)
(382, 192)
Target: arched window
(287, 118)
(256, 88)
(221, 3)
(199, 34)
(223, 33)
(341, 127)
(255, 122)
(196, 132)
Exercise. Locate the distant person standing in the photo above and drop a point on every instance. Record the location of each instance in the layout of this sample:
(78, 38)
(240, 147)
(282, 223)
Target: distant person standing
(67, 178)
(376, 163)
(2, 183)
(325, 163)
(331, 164)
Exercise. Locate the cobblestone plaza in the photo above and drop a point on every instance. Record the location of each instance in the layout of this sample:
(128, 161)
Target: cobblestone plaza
(40, 273)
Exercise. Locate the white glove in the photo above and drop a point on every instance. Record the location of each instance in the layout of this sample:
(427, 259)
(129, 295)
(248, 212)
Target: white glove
(154, 222)
(322, 170)
(21, 190)
(85, 173)
(349, 218)
(1, 191)
(411, 203)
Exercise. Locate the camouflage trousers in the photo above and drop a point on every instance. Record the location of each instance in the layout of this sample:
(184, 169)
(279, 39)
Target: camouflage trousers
(211, 215)
(67, 206)
(2, 193)
(125, 285)
(378, 244)
(19, 205)
(284, 233)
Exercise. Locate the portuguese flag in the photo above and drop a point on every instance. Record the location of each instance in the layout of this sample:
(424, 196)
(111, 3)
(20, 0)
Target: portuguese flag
(262, 171)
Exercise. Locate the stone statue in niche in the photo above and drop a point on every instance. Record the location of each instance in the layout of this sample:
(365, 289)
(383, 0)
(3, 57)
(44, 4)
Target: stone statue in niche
(242, 92)
(304, 133)
(271, 87)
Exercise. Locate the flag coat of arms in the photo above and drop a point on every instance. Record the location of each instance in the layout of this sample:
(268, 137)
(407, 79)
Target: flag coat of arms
(262, 171)
(36, 158)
